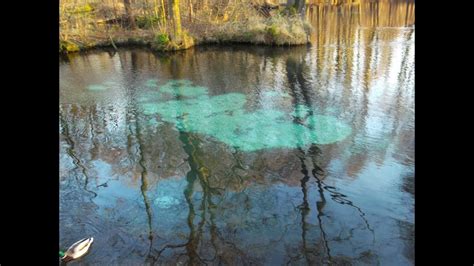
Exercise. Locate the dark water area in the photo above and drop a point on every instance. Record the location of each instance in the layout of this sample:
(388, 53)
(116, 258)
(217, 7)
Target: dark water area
(242, 155)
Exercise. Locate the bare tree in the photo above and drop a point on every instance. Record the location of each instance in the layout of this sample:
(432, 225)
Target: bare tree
(299, 5)
(129, 15)
(176, 16)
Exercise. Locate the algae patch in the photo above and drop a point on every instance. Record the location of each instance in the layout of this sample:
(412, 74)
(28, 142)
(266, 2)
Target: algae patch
(225, 118)
(183, 88)
(102, 87)
(97, 87)
(153, 83)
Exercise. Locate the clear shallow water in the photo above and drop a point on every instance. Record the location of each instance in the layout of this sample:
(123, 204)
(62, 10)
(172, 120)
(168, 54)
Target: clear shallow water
(243, 155)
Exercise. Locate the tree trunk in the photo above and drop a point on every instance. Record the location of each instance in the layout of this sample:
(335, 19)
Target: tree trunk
(155, 8)
(176, 20)
(191, 11)
(129, 15)
(163, 10)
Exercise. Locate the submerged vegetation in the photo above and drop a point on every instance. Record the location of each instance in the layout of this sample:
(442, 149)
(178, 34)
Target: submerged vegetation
(174, 25)
(225, 117)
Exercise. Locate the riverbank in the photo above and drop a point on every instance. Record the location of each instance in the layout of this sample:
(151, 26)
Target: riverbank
(278, 30)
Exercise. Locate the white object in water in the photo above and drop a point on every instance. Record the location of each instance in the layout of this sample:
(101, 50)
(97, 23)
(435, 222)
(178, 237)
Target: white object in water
(78, 249)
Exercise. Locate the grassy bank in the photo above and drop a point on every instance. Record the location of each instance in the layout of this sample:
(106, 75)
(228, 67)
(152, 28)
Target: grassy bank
(275, 30)
(89, 26)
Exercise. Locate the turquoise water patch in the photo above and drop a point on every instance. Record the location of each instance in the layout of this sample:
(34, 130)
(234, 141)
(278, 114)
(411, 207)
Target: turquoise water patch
(327, 129)
(155, 123)
(301, 111)
(184, 88)
(97, 87)
(332, 110)
(224, 118)
(271, 129)
(102, 87)
(194, 109)
(151, 83)
(152, 96)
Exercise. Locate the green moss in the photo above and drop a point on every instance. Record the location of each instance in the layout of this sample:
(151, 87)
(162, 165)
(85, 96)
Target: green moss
(161, 41)
(292, 10)
(183, 42)
(68, 47)
(272, 30)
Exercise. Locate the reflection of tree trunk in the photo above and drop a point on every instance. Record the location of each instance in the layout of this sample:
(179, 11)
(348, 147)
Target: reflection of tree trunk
(402, 76)
(338, 45)
(144, 183)
(335, 196)
(143, 179)
(314, 153)
(213, 229)
(141, 149)
(296, 79)
(368, 60)
(188, 194)
(198, 171)
(133, 59)
(175, 67)
(93, 150)
(349, 55)
(71, 152)
(304, 207)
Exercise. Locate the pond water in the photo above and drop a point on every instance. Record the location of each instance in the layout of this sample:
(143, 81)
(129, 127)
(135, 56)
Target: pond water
(242, 155)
